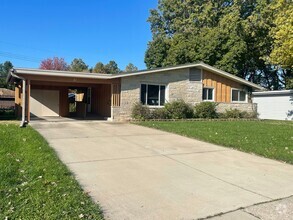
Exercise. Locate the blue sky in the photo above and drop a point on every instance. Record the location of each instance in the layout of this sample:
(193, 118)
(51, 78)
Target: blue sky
(94, 30)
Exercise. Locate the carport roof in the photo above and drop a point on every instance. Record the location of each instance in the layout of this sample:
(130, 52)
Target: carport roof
(22, 72)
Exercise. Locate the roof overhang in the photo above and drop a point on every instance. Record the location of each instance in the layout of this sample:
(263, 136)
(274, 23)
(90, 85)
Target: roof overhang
(275, 93)
(22, 72)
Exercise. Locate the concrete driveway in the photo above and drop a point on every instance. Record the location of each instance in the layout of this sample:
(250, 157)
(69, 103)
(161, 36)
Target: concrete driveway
(135, 172)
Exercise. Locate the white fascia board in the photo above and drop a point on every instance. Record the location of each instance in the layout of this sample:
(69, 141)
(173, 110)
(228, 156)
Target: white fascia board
(142, 72)
(275, 92)
(61, 74)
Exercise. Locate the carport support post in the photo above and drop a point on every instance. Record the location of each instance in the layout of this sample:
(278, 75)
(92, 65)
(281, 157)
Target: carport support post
(112, 90)
(22, 123)
(28, 100)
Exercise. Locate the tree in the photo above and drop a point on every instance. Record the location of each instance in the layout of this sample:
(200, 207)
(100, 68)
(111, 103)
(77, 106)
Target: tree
(231, 35)
(4, 70)
(54, 63)
(130, 68)
(78, 65)
(282, 54)
(99, 68)
(157, 52)
(112, 67)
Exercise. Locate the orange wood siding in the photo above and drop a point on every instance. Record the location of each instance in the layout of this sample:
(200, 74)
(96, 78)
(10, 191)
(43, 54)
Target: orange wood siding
(101, 100)
(116, 90)
(221, 85)
(18, 100)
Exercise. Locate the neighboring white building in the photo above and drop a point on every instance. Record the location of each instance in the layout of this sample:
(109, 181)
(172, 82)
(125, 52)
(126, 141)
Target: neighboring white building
(274, 104)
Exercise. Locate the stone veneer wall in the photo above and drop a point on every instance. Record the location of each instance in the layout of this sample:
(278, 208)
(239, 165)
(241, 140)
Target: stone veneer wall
(248, 107)
(177, 84)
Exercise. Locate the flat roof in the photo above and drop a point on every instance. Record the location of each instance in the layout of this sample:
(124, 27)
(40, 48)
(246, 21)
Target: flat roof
(201, 65)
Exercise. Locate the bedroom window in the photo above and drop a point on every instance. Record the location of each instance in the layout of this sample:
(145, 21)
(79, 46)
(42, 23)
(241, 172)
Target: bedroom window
(208, 94)
(238, 95)
(153, 95)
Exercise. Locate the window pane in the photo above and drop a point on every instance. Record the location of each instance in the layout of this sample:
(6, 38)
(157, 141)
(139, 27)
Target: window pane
(242, 96)
(204, 94)
(162, 95)
(143, 94)
(235, 95)
(153, 95)
(210, 94)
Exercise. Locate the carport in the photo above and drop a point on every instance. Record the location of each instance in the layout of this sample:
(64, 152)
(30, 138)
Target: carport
(47, 93)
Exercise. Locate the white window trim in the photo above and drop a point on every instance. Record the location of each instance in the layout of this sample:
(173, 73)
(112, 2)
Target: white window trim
(209, 87)
(246, 95)
(154, 84)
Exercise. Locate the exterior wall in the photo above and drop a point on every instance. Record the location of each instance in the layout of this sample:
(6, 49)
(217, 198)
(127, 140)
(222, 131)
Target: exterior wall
(7, 103)
(248, 107)
(222, 86)
(101, 100)
(44, 103)
(63, 102)
(115, 113)
(177, 84)
(63, 97)
(275, 106)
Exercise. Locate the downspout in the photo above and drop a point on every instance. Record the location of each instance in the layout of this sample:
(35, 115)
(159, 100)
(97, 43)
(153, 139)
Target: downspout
(22, 123)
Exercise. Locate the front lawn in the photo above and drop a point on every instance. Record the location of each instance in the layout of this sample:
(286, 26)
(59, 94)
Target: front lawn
(271, 139)
(34, 184)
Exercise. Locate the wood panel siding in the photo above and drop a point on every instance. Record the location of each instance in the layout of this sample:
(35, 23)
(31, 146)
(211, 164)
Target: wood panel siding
(63, 102)
(101, 100)
(18, 100)
(116, 90)
(222, 86)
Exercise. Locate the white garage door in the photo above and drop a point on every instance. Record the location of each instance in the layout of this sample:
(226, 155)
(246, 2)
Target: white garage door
(279, 107)
(44, 103)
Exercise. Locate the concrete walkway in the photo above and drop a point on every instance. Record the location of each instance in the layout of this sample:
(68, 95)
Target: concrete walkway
(141, 173)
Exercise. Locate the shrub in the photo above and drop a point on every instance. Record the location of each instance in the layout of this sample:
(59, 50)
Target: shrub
(159, 113)
(179, 110)
(140, 111)
(235, 113)
(7, 114)
(206, 110)
(253, 114)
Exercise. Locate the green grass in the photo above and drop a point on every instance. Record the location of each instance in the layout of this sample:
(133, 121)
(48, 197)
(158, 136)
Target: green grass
(34, 184)
(271, 139)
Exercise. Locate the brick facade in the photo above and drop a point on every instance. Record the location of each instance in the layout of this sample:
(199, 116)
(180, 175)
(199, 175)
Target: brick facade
(248, 107)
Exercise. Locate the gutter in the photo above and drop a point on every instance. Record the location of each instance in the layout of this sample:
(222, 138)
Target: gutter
(23, 122)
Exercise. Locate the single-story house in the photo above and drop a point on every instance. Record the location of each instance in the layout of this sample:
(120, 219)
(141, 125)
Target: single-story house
(277, 105)
(6, 98)
(45, 92)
